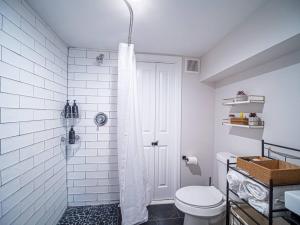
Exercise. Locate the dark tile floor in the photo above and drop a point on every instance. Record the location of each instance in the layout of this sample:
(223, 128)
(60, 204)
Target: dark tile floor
(110, 215)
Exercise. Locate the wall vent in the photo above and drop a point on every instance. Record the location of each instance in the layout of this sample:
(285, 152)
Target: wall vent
(192, 65)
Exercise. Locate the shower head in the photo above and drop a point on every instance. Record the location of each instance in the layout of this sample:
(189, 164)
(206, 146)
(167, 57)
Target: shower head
(100, 58)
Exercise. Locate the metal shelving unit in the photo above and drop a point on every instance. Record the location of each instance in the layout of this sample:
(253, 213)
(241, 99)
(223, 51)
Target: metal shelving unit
(231, 202)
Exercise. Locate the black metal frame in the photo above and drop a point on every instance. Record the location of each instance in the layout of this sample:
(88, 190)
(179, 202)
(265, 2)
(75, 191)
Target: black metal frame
(230, 166)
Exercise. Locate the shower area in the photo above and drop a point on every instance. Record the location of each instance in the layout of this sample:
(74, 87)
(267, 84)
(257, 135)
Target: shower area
(113, 153)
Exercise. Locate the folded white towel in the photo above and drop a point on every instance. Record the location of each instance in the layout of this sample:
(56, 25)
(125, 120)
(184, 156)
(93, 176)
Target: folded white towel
(260, 206)
(256, 190)
(234, 180)
(243, 192)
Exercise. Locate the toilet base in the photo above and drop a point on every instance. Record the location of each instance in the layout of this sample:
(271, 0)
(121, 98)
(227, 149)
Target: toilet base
(196, 220)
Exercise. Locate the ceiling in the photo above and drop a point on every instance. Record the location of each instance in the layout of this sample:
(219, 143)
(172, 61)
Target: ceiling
(179, 27)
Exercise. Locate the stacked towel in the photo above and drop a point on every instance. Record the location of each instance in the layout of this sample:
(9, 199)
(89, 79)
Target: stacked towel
(234, 180)
(256, 190)
(261, 206)
(247, 189)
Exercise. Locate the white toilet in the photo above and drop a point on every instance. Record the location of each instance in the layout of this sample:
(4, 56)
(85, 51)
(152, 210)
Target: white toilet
(205, 205)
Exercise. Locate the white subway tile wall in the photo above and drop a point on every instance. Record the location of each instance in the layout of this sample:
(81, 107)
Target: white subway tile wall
(33, 90)
(92, 171)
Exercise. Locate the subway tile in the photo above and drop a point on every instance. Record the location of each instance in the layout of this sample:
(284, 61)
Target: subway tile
(9, 100)
(9, 159)
(31, 174)
(49, 124)
(97, 99)
(43, 156)
(31, 150)
(85, 167)
(77, 68)
(96, 174)
(34, 33)
(15, 115)
(55, 87)
(17, 33)
(31, 103)
(85, 182)
(43, 51)
(16, 60)
(76, 175)
(12, 172)
(9, 188)
(85, 76)
(77, 84)
(32, 55)
(9, 71)
(15, 87)
(85, 91)
(42, 93)
(42, 114)
(12, 215)
(43, 72)
(97, 189)
(16, 198)
(9, 130)
(32, 126)
(54, 49)
(9, 13)
(60, 80)
(51, 143)
(85, 197)
(42, 135)
(76, 190)
(9, 42)
(86, 61)
(52, 162)
(30, 78)
(77, 53)
(24, 73)
(23, 11)
(53, 67)
(96, 69)
(76, 160)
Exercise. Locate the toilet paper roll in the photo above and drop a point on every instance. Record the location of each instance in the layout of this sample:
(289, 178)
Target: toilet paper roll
(192, 160)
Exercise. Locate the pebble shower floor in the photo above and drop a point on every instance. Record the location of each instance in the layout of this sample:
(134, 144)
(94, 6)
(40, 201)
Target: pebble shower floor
(110, 215)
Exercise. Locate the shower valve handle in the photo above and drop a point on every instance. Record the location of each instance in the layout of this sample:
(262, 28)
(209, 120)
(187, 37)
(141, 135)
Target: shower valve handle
(154, 143)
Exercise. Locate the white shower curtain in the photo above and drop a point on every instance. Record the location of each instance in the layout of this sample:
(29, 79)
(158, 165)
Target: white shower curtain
(134, 188)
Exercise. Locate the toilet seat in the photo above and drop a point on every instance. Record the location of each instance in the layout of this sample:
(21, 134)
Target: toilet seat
(200, 201)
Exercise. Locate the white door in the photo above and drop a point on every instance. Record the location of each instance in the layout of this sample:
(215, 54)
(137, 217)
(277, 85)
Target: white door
(156, 88)
(146, 92)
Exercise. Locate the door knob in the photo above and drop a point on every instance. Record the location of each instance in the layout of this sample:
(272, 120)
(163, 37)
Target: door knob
(154, 143)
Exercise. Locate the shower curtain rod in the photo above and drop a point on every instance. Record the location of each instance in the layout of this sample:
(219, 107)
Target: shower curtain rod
(131, 21)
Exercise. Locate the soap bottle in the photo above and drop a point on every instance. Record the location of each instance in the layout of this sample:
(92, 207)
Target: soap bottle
(72, 136)
(75, 112)
(68, 110)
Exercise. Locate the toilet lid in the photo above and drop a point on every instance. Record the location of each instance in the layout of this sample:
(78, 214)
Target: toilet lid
(200, 196)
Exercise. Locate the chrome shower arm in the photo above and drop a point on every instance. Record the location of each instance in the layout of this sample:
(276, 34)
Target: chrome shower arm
(131, 21)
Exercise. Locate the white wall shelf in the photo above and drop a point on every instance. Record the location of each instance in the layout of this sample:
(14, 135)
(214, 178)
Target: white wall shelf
(250, 99)
(244, 126)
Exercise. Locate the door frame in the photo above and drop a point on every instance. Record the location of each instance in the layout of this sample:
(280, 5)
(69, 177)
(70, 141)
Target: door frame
(177, 61)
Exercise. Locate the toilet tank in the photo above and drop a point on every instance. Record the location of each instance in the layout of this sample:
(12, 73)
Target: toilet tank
(222, 158)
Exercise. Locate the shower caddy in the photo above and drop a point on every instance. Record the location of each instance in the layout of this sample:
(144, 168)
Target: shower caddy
(238, 204)
(70, 121)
